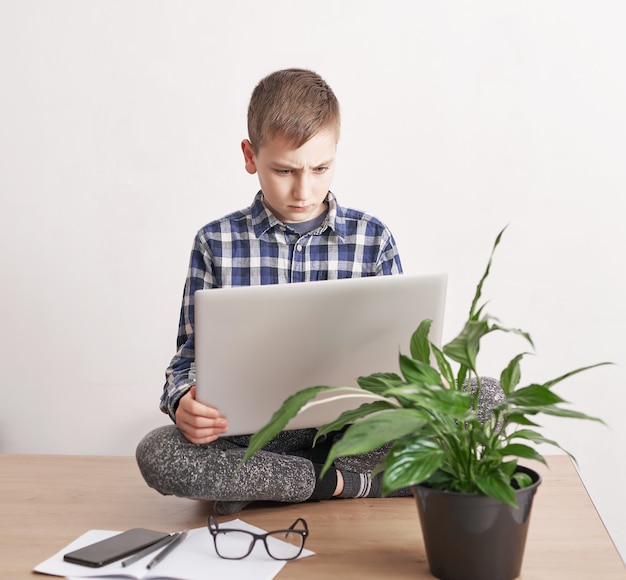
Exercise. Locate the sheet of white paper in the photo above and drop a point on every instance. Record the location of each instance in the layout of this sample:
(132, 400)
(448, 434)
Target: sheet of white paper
(193, 559)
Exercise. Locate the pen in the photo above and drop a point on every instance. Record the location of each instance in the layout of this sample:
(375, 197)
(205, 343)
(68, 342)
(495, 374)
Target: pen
(151, 548)
(161, 555)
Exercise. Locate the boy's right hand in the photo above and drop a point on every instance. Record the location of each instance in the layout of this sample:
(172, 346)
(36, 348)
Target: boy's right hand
(199, 423)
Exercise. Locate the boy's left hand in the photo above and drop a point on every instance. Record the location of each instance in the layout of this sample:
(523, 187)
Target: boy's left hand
(199, 423)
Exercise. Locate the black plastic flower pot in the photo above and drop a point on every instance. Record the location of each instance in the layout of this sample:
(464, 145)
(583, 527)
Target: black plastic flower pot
(474, 537)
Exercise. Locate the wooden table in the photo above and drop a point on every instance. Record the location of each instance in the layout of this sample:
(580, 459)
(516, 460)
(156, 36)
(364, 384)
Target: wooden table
(48, 501)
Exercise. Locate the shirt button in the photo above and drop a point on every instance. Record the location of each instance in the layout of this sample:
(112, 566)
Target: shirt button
(299, 247)
(282, 228)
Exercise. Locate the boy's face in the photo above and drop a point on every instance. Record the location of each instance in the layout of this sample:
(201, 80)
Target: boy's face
(295, 182)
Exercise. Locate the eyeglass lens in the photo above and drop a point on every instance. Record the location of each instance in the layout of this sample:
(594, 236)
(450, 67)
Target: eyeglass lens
(281, 545)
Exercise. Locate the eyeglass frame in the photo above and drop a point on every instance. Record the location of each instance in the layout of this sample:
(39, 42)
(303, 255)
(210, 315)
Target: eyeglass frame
(214, 530)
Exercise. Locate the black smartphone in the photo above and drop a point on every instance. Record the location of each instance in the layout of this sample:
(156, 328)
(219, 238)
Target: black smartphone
(114, 548)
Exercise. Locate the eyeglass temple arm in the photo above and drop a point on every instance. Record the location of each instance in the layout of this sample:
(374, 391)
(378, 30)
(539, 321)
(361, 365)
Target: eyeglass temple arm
(304, 525)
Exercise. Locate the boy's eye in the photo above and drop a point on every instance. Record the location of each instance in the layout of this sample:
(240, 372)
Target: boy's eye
(317, 170)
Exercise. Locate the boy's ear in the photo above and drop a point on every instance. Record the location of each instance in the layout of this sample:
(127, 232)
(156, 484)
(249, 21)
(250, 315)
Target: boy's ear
(248, 156)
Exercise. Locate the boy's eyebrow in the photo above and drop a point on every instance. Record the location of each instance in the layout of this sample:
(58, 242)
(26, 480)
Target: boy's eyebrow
(325, 162)
(287, 165)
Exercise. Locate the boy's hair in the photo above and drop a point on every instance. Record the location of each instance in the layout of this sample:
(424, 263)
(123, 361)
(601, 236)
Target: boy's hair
(294, 104)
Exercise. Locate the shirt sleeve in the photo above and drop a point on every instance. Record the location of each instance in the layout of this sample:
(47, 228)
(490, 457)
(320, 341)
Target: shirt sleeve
(180, 375)
(388, 262)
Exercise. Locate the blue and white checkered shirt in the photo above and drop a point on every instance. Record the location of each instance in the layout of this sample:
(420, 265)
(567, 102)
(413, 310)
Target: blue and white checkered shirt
(252, 246)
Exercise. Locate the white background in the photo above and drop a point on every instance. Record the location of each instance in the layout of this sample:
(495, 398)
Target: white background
(120, 124)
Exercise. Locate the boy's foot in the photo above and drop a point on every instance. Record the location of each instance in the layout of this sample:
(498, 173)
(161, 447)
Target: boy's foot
(225, 508)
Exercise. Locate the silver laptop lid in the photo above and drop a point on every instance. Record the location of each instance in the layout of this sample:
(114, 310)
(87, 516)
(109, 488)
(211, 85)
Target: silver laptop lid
(257, 345)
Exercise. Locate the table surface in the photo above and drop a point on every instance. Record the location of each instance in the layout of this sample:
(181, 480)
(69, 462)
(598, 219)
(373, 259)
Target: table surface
(48, 501)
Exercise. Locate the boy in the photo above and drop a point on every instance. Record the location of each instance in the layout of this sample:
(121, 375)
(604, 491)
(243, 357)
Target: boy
(294, 231)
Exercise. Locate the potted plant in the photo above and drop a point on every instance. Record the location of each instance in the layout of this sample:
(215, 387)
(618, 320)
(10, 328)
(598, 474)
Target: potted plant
(455, 458)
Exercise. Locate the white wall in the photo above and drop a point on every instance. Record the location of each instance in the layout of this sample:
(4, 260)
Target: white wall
(120, 124)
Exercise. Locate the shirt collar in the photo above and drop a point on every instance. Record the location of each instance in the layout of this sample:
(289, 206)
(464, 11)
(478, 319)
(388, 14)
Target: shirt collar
(263, 220)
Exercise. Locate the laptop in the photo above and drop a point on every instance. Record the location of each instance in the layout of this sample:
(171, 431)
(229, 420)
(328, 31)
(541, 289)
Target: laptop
(257, 345)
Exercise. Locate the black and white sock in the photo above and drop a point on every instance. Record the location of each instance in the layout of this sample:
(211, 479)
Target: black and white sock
(361, 485)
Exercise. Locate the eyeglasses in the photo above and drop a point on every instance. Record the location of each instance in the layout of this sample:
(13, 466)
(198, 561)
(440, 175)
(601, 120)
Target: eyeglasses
(234, 544)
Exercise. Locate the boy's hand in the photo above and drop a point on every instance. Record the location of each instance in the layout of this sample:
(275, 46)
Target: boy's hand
(199, 423)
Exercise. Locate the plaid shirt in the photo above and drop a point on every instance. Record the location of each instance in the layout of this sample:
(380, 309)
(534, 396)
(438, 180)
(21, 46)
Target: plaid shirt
(252, 246)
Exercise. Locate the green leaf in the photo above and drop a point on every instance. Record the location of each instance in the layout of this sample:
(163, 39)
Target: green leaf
(444, 366)
(553, 382)
(533, 396)
(525, 335)
(454, 404)
(533, 436)
(460, 378)
(511, 375)
(374, 431)
(464, 348)
(522, 479)
(496, 485)
(565, 413)
(509, 467)
(435, 398)
(443, 478)
(479, 287)
(378, 383)
(351, 416)
(410, 462)
(281, 417)
(420, 345)
(520, 450)
(519, 418)
(415, 371)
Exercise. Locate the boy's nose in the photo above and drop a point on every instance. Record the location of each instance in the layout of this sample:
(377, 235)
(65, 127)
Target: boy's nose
(301, 187)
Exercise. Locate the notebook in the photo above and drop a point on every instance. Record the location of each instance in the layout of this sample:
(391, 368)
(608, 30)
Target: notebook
(257, 345)
(194, 559)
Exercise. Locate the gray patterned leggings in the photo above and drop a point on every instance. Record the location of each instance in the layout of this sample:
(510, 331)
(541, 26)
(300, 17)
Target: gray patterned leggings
(280, 472)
